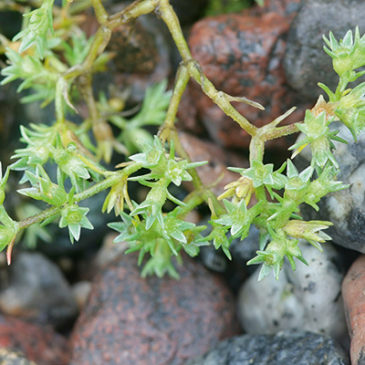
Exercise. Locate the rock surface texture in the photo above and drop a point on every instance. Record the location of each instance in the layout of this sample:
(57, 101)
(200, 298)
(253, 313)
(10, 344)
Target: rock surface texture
(305, 62)
(289, 347)
(346, 208)
(353, 290)
(131, 320)
(38, 343)
(242, 55)
(37, 291)
(308, 298)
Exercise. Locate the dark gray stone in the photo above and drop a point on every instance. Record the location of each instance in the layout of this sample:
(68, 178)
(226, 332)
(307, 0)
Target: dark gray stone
(38, 291)
(289, 347)
(305, 61)
(235, 270)
(189, 11)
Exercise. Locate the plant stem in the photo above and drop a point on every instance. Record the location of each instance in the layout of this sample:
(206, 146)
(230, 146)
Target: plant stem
(182, 79)
(281, 132)
(221, 99)
(193, 200)
(93, 190)
(205, 192)
(101, 14)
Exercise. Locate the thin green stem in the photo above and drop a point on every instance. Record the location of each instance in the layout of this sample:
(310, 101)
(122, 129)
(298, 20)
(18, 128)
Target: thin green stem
(257, 148)
(205, 192)
(101, 14)
(168, 15)
(341, 87)
(182, 79)
(193, 200)
(281, 132)
(61, 88)
(131, 12)
(93, 190)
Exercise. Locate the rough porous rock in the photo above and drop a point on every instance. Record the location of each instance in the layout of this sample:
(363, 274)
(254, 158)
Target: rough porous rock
(305, 62)
(215, 172)
(242, 55)
(308, 298)
(289, 348)
(142, 55)
(345, 208)
(131, 320)
(36, 290)
(353, 291)
(38, 343)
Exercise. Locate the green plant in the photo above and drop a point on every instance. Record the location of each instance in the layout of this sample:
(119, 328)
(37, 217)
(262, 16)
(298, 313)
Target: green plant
(56, 64)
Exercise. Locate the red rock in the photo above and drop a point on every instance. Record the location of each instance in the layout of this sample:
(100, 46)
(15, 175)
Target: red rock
(353, 291)
(131, 320)
(39, 344)
(242, 55)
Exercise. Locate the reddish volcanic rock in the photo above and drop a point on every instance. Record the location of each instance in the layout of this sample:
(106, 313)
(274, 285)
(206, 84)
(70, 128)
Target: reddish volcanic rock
(353, 291)
(131, 320)
(242, 55)
(39, 344)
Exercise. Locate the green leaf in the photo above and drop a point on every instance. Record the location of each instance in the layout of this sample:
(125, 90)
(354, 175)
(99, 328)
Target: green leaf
(74, 217)
(38, 24)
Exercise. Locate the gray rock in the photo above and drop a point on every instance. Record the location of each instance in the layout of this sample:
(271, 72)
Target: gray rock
(305, 62)
(235, 270)
(284, 348)
(308, 298)
(346, 208)
(38, 291)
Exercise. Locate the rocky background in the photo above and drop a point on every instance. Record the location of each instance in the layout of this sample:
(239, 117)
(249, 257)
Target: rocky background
(86, 304)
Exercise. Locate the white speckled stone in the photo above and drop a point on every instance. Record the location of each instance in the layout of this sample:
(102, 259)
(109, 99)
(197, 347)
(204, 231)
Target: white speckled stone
(306, 299)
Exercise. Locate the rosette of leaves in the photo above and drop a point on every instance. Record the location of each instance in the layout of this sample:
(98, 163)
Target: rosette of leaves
(161, 244)
(74, 218)
(317, 134)
(348, 55)
(148, 229)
